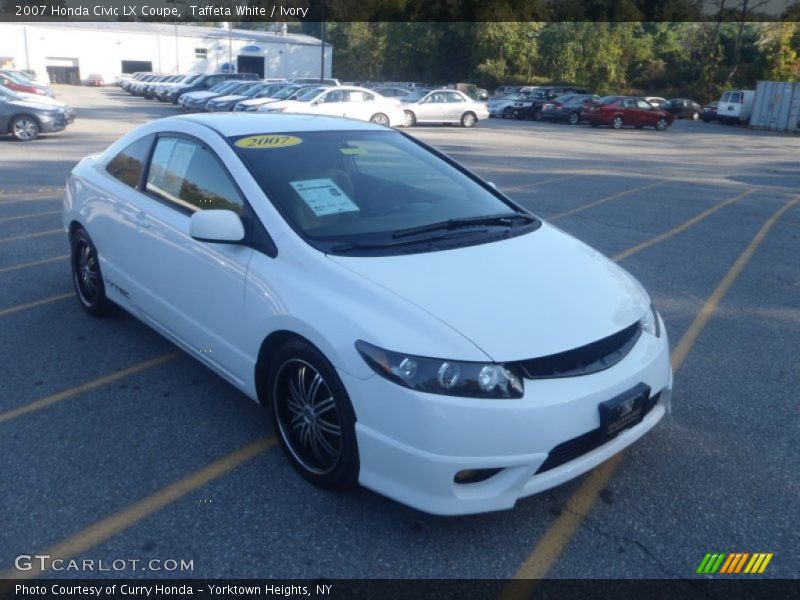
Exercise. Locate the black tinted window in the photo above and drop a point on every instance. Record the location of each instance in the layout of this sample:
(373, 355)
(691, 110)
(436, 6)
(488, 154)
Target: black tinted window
(127, 165)
(186, 174)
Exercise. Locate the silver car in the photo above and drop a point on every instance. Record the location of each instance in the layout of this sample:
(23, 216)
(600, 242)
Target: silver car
(442, 106)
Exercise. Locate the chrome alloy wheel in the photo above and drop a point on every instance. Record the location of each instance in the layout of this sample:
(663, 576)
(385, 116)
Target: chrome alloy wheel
(25, 129)
(307, 416)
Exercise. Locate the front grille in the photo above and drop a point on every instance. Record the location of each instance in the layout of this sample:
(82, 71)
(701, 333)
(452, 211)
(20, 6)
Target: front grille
(587, 359)
(578, 446)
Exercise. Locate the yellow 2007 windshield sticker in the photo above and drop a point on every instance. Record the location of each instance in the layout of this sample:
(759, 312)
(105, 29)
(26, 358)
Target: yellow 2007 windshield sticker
(268, 141)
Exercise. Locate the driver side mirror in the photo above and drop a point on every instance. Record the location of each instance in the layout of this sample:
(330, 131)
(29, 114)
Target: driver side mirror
(216, 226)
(315, 103)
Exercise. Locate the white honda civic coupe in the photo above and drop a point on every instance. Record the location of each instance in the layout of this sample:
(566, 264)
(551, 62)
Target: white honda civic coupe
(408, 326)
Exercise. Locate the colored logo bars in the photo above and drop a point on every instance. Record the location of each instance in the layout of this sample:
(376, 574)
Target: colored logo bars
(734, 562)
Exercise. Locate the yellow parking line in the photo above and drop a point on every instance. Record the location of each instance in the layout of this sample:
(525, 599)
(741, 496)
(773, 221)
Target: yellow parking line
(19, 307)
(541, 182)
(556, 538)
(606, 199)
(682, 227)
(33, 264)
(31, 235)
(85, 387)
(102, 530)
(20, 217)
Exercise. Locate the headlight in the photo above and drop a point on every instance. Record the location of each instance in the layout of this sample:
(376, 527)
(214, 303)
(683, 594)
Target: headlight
(439, 376)
(650, 322)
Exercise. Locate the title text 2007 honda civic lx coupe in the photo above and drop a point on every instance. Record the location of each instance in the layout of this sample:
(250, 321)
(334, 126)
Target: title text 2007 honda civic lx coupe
(408, 327)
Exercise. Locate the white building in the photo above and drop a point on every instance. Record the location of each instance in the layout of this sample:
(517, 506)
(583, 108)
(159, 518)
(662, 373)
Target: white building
(69, 52)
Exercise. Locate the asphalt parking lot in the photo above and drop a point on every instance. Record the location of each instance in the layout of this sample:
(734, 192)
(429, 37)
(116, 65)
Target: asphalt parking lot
(113, 444)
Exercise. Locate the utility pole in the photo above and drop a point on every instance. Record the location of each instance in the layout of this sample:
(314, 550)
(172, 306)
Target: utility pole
(322, 48)
(230, 47)
(177, 56)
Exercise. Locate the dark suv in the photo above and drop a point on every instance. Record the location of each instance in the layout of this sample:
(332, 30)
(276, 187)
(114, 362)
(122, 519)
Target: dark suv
(531, 107)
(206, 82)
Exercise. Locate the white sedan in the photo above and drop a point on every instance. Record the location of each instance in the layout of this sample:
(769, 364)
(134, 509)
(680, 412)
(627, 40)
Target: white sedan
(405, 324)
(443, 106)
(342, 101)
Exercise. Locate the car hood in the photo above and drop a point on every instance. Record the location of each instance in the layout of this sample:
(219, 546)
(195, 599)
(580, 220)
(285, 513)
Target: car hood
(257, 101)
(533, 295)
(223, 99)
(35, 105)
(42, 100)
(198, 95)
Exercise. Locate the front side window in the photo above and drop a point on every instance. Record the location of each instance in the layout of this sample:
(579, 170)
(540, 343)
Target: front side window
(186, 174)
(643, 104)
(127, 166)
(363, 187)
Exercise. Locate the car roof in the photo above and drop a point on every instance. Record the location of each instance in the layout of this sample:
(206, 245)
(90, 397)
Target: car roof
(236, 124)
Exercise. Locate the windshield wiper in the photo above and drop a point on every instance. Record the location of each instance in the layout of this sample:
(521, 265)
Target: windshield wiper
(507, 219)
(348, 246)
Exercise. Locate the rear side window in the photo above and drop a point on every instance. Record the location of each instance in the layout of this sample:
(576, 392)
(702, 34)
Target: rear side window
(127, 166)
(186, 174)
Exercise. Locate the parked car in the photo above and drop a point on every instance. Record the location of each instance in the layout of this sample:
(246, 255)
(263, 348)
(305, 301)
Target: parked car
(532, 106)
(621, 111)
(25, 118)
(710, 112)
(226, 102)
(196, 101)
(391, 92)
(39, 99)
(287, 92)
(443, 106)
(94, 80)
(339, 271)
(683, 108)
(120, 78)
(315, 81)
(206, 82)
(567, 107)
(342, 101)
(161, 90)
(16, 82)
(654, 100)
(736, 106)
(503, 106)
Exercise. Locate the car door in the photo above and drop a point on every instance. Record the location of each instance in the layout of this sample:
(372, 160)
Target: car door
(193, 291)
(359, 105)
(332, 103)
(456, 106)
(432, 108)
(630, 113)
(646, 114)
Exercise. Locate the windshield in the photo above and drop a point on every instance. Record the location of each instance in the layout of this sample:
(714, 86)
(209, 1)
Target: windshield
(285, 92)
(309, 95)
(365, 187)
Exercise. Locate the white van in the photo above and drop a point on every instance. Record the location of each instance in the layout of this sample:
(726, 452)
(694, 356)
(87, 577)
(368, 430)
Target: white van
(735, 106)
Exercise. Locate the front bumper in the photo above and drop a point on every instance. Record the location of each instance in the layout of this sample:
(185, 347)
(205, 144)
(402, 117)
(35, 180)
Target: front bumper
(412, 445)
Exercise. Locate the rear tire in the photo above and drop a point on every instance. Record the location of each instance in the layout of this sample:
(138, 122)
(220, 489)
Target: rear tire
(508, 112)
(380, 119)
(313, 417)
(695, 116)
(86, 275)
(573, 118)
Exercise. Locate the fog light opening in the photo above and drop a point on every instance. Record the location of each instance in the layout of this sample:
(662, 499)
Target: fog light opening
(468, 476)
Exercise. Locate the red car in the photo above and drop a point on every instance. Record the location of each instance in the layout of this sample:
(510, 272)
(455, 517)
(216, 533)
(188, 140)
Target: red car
(18, 86)
(618, 111)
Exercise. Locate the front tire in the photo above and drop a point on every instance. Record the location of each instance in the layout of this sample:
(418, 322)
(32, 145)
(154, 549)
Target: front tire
(661, 124)
(468, 119)
(508, 112)
(86, 275)
(616, 122)
(537, 114)
(380, 119)
(24, 128)
(695, 116)
(410, 118)
(313, 417)
(573, 118)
